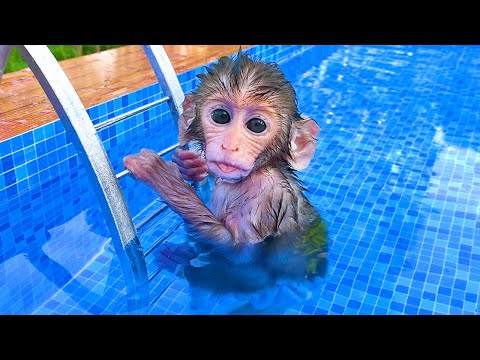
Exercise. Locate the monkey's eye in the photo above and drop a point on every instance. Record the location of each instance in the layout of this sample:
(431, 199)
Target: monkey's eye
(256, 125)
(220, 116)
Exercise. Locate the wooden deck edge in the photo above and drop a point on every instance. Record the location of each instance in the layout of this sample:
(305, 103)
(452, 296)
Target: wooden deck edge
(97, 78)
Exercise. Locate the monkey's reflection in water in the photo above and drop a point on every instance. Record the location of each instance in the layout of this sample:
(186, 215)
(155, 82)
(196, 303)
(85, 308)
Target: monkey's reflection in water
(280, 272)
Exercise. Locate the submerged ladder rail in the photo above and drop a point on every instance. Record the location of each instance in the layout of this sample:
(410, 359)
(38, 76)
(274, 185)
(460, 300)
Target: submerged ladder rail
(149, 218)
(153, 247)
(90, 149)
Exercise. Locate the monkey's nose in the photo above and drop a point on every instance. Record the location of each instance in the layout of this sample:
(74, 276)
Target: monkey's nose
(230, 147)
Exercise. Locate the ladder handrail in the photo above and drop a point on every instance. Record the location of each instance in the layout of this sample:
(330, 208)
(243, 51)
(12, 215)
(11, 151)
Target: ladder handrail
(167, 78)
(90, 149)
(80, 128)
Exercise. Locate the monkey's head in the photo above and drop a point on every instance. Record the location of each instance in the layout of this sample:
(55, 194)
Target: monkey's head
(244, 113)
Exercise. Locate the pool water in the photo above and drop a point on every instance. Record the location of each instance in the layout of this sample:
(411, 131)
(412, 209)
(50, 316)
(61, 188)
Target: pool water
(396, 177)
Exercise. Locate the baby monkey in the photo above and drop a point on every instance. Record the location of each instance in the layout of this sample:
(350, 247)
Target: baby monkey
(245, 118)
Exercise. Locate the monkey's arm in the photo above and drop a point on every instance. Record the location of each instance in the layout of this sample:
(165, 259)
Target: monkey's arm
(166, 180)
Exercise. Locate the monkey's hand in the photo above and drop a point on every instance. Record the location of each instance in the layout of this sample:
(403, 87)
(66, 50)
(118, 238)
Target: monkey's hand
(191, 165)
(170, 256)
(149, 168)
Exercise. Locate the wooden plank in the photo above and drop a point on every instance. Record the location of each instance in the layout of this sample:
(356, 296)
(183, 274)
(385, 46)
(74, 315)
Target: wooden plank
(97, 78)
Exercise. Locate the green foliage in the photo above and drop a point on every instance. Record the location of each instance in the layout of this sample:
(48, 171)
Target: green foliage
(60, 52)
(315, 237)
(15, 62)
(314, 247)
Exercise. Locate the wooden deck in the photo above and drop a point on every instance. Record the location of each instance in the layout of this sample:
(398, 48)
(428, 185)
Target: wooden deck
(96, 78)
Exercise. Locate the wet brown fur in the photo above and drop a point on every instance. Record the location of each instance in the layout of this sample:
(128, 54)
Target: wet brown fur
(270, 200)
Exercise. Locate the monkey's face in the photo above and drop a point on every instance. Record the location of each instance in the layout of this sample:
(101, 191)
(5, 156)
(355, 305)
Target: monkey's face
(236, 133)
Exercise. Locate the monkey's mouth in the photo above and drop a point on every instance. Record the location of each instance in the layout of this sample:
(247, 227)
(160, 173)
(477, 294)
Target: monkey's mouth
(226, 168)
(227, 171)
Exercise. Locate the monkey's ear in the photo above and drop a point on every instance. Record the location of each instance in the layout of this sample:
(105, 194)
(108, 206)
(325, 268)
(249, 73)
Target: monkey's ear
(185, 119)
(303, 142)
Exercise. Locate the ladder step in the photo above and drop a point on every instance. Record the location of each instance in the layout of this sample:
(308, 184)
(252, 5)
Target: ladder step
(151, 217)
(161, 240)
(154, 274)
(162, 291)
(121, 117)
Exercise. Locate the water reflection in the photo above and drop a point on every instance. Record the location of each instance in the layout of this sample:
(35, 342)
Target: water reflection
(47, 261)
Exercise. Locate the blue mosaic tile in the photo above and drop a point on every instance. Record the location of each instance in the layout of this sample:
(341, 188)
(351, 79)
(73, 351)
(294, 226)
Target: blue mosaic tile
(7, 163)
(337, 309)
(5, 148)
(16, 143)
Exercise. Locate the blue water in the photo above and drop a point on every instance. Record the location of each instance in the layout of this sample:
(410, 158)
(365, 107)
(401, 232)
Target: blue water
(396, 176)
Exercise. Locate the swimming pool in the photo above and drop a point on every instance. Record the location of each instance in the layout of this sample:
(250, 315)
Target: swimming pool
(396, 176)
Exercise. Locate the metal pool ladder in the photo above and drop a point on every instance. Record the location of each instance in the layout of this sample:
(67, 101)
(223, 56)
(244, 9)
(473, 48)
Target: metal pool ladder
(83, 134)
